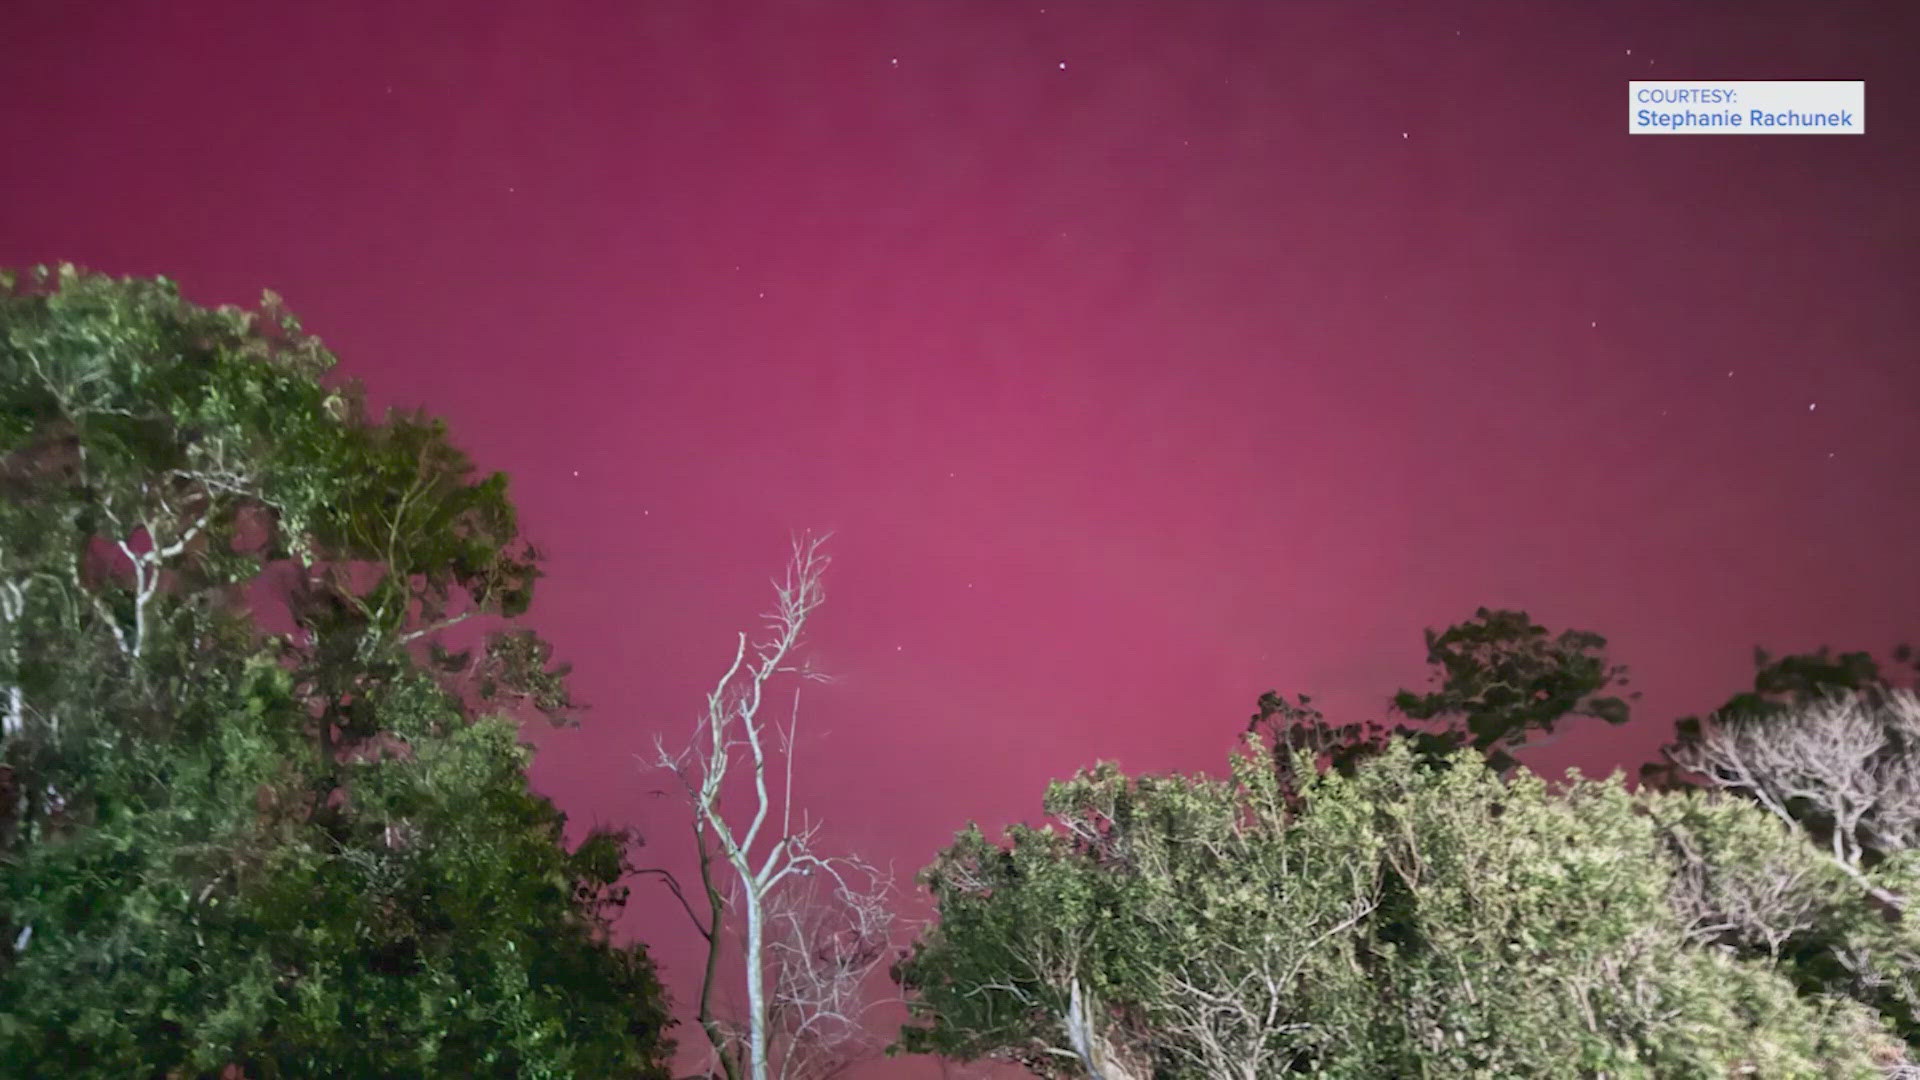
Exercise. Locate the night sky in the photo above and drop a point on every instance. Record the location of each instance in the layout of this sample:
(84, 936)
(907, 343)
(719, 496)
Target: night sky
(1142, 358)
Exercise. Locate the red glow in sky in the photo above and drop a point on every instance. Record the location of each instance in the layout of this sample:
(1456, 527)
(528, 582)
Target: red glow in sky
(1141, 357)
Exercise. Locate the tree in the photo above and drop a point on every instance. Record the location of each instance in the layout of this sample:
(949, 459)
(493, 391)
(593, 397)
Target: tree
(1790, 682)
(1503, 683)
(1826, 744)
(826, 939)
(1782, 686)
(1504, 679)
(806, 957)
(305, 853)
(1753, 884)
(1398, 921)
(1297, 730)
(1848, 766)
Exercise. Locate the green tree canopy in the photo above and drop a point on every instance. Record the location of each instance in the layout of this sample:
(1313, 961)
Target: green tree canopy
(1502, 681)
(305, 854)
(1748, 883)
(1398, 921)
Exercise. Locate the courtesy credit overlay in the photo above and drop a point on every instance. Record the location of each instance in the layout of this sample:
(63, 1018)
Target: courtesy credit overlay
(1747, 108)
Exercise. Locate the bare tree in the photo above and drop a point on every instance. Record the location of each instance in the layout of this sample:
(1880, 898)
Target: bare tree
(1848, 765)
(806, 1024)
(826, 939)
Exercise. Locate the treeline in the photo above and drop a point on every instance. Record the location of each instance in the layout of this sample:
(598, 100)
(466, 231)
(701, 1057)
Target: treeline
(264, 811)
(1401, 899)
(299, 854)
(1402, 907)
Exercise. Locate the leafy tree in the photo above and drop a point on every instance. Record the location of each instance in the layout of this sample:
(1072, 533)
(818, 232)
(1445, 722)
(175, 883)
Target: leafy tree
(1297, 728)
(1751, 883)
(1503, 682)
(301, 854)
(1783, 686)
(1398, 921)
(1826, 744)
(1504, 679)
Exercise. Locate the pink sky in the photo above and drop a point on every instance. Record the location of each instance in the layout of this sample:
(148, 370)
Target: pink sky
(1225, 358)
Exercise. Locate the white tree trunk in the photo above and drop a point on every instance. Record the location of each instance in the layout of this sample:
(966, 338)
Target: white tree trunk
(733, 720)
(756, 991)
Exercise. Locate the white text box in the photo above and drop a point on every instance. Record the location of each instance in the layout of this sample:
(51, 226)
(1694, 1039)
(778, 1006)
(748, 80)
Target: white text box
(1747, 108)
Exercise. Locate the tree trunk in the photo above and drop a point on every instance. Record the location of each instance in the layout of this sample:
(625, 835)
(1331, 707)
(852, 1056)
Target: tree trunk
(756, 992)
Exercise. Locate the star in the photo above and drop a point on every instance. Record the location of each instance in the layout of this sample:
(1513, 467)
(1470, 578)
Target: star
(1403, 134)
(896, 61)
(1812, 407)
(1063, 65)
(576, 472)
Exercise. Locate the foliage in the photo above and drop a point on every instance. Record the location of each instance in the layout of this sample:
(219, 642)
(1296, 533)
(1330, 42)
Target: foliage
(1825, 743)
(303, 854)
(1782, 686)
(1751, 884)
(1800, 679)
(1397, 921)
(1503, 682)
